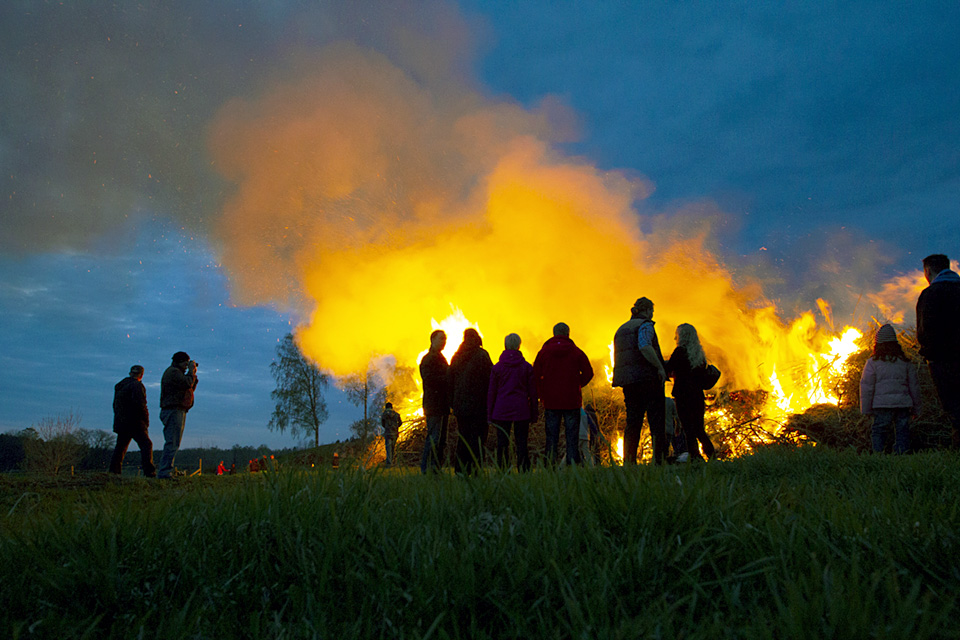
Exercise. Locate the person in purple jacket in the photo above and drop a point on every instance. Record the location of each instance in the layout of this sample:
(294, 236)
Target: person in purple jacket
(889, 391)
(512, 402)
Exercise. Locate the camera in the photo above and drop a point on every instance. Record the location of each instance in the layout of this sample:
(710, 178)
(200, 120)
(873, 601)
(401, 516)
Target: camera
(193, 364)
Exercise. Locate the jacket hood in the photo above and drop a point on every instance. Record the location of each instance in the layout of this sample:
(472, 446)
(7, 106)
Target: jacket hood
(946, 276)
(511, 356)
(560, 343)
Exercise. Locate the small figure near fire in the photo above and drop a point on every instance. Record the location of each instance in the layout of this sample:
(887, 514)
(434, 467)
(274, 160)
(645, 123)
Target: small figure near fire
(176, 398)
(674, 431)
(390, 422)
(469, 382)
(938, 332)
(560, 370)
(686, 366)
(512, 403)
(131, 421)
(594, 435)
(436, 402)
(638, 370)
(889, 391)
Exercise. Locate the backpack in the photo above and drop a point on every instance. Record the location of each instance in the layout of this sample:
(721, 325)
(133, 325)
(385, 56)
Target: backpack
(709, 376)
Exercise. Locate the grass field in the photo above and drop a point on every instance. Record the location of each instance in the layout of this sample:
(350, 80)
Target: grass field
(806, 543)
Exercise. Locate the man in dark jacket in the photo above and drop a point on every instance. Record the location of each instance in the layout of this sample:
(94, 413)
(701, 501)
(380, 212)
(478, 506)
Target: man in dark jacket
(176, 398)
(436, 402)
(390, 421)
(469, 382)
(560, 370)
(638, 369)
(938, 332)
(131, 421)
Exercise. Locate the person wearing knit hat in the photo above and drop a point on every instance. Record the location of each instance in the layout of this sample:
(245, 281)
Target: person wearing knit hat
(886, 333)
(889, 391)
(177, 387)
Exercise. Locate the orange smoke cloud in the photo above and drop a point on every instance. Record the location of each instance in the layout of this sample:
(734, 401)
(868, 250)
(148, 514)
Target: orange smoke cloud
(379, 204)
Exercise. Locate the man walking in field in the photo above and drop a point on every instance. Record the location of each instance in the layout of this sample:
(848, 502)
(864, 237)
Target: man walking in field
(638, 369)
(176, 398)
(436, 402)
(938, 332)
(390, 422)
(560, 370)
(131, 421)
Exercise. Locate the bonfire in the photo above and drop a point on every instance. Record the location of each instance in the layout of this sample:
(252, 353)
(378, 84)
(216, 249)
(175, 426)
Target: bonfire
(811, 401)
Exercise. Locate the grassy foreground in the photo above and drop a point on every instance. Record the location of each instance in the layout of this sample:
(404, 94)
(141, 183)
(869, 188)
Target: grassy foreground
(792, 544)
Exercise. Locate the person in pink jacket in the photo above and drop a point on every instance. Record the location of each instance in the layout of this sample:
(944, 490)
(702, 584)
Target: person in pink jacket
(889, 391)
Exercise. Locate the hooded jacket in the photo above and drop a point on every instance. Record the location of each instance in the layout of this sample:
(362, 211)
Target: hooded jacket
(470, 379)
(938, 318)
(512, 394)
(560, 370)
(130, 412)
(390, 421)
(886, 384)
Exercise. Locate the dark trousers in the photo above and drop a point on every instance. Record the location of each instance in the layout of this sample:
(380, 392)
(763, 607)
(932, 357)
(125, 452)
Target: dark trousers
(389, 447)
(641, 398)
(471, 437)
(146, 452)
(690, 411)
(946, 378)
(435, 444)
(521, 430)
(571, 431)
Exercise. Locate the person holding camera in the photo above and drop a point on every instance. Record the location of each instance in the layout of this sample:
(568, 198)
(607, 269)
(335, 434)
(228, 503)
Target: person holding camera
(176, 398)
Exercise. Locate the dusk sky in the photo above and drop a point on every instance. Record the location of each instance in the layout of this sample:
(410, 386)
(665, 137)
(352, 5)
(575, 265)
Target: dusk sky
(817, 145)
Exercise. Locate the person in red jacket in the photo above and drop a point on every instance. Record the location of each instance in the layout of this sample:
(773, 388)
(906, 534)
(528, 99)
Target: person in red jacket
(560, 370)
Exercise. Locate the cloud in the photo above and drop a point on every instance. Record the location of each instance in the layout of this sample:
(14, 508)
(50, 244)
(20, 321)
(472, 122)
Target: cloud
(106, 105)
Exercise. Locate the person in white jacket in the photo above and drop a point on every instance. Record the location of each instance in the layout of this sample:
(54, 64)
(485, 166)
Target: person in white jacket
(889, 391)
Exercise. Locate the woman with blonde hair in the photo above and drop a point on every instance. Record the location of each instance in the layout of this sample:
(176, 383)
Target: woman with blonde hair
(687, 366)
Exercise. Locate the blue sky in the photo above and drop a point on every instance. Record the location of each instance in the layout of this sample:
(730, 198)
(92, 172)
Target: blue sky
(812, 133)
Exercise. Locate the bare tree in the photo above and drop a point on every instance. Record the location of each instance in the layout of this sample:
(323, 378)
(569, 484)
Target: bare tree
(299, 394)
(97, 446)
(56, 444)
(363, 391)
(96, 438)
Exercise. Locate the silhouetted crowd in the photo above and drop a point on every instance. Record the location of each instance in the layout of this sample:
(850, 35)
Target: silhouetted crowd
(508, 394)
